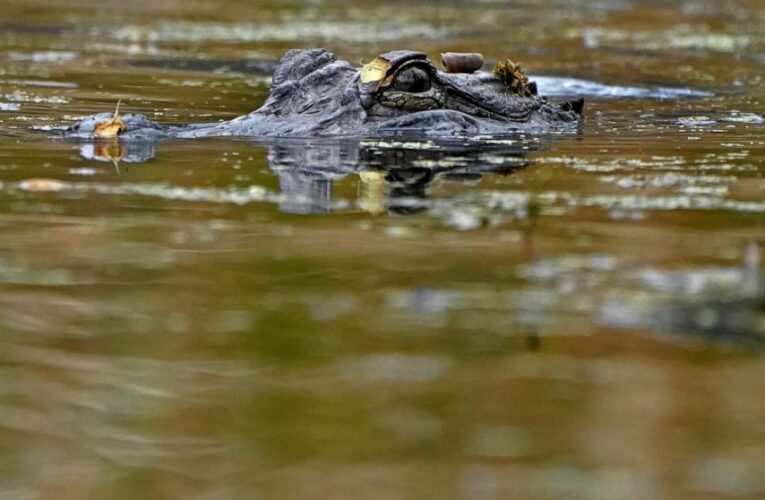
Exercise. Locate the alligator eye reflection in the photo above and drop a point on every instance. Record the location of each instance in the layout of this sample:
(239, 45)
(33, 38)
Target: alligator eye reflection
(412, 80)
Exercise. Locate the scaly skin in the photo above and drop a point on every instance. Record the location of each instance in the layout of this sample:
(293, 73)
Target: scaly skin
(313, 94)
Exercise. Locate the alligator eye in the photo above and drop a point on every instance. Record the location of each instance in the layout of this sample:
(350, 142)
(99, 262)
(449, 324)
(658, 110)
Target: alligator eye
(412, 80)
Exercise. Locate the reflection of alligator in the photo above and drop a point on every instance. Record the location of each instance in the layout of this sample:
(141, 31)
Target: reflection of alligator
(315, 94)
(393, 175)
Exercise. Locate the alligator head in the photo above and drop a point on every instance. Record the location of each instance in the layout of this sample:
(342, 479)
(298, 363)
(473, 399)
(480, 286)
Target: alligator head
(314, 94)
(408, 92)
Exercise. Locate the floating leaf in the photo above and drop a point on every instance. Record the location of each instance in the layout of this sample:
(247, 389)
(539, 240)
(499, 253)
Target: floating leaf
(42, 185)
(111, 128)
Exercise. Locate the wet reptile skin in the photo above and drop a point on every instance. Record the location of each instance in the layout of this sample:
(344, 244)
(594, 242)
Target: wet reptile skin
(314, 94)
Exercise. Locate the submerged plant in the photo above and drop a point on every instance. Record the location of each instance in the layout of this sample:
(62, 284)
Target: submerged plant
(512, 77)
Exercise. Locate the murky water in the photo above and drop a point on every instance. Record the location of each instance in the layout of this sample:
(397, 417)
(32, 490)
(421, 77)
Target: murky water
(566, 316)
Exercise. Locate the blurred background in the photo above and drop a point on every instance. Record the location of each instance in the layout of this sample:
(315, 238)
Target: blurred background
(573, 315)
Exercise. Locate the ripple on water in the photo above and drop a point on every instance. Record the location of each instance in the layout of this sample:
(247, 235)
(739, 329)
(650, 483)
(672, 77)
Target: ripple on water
(20, 96)
(395, 367)
(98, 398)
(291, 31)
(558, 86)
(681, 36)
(46, 56)
(669, 179)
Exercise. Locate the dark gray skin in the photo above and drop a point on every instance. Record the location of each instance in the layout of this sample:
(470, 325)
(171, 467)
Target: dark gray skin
(313, 94)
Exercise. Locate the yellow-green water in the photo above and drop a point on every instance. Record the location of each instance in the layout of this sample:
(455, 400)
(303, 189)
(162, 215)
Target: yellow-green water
(575, 316)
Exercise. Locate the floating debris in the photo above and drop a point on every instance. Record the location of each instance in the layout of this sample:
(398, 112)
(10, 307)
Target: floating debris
(42, 185)
(110, 128)
(462, 62)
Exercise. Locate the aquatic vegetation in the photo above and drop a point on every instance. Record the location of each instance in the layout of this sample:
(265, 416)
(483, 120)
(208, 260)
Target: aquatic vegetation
(512, 77)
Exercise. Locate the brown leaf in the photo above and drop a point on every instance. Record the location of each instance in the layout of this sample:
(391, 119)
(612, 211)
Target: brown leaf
(42, 185)
(110, 129)
(375, 71)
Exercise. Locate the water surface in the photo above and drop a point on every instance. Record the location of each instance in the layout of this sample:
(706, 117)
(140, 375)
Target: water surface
(564, 316)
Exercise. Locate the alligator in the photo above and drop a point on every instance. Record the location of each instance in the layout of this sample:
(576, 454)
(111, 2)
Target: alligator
(314, 94)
